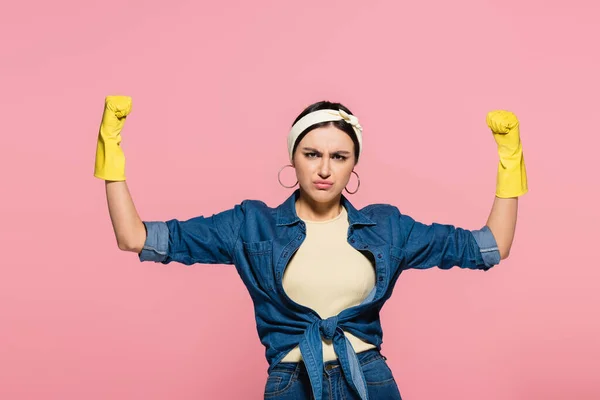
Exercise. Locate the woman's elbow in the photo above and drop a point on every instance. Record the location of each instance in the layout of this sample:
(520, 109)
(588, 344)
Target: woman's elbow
(133, 240)
(134, 245)
(504, 253)
(128, 247)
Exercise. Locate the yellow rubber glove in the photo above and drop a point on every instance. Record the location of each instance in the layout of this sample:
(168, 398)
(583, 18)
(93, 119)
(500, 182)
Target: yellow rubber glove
(110, 160)
(512, 177)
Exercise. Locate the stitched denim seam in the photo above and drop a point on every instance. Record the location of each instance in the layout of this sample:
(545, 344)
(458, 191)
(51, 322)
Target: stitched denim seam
(221, 232)
(381, 382)
(329, 384)
(293, 379)
(487, 249)
(274, 379)
(341, 380)
(282, 370)
(147, 247)
(258, 253)
(238, 237)
(375, 358)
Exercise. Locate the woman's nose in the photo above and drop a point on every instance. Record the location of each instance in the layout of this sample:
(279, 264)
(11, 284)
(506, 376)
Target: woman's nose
(324, 167)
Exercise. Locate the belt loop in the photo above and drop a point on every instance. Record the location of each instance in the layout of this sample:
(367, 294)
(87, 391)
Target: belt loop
(296, 372)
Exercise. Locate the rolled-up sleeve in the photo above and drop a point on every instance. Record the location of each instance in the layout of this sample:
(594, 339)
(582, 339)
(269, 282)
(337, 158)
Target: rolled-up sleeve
(487, 246)
(157, 242)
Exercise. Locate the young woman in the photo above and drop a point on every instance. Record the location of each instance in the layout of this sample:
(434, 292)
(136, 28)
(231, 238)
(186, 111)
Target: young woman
(318, 270)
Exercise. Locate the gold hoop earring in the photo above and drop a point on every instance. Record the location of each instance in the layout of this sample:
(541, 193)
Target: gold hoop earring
(279, 177)
(357, 177)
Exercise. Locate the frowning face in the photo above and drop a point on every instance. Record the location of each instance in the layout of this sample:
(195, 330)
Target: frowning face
(324, 160)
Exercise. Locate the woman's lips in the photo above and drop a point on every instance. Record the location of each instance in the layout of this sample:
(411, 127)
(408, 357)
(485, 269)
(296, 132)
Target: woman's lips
(323, 185)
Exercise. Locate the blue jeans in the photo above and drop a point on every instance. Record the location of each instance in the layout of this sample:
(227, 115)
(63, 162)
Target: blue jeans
(289, 380)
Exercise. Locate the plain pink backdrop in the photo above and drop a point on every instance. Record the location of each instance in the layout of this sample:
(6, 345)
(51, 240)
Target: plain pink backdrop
(215, 87)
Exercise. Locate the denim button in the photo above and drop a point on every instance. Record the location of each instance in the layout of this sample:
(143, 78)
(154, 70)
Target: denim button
(379, 255)
(351, 240)
(380, 278)
(366, 246)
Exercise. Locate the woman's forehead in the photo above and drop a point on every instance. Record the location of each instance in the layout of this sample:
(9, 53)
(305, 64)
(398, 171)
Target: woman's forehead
(326, 137)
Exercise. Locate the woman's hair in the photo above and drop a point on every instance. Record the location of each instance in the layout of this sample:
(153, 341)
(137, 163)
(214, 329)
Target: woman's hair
(341, 124)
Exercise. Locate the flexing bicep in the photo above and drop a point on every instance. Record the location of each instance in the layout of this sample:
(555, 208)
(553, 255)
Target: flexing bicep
(446, 246)
(205, 240)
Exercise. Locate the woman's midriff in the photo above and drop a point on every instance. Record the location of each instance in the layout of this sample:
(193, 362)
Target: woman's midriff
(328, 352)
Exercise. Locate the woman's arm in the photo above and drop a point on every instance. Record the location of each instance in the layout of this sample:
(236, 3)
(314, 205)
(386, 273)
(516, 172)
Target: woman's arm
(446, 246)
(502, 222)
(511, 181)
(129, 229)
(110, 167)
(207, 240)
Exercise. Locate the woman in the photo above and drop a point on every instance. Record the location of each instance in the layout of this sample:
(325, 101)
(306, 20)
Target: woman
(318, 270)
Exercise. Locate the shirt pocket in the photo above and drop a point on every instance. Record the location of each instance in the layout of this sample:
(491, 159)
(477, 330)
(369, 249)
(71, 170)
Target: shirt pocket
(260, 258)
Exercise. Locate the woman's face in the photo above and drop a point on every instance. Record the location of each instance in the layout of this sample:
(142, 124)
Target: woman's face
(324, 160)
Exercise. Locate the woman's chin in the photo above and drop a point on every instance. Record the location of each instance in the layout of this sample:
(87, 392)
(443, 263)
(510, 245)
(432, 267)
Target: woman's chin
(323, 195)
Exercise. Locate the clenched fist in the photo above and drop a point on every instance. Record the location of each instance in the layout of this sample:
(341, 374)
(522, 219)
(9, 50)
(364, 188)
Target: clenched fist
(512, 176)
(110, 160)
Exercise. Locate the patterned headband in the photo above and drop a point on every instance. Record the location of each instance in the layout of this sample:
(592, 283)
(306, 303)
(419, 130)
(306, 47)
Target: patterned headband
(318, 116)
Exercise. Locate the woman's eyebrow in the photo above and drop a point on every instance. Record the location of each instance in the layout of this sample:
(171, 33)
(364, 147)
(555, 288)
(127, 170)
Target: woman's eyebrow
(310, 149)
(333, 152)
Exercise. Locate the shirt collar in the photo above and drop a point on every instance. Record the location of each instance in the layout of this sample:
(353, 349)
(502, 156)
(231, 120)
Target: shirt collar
(286, 212)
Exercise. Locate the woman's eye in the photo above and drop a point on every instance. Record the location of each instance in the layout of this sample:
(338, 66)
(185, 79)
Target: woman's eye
(310, 155)
(339, 157)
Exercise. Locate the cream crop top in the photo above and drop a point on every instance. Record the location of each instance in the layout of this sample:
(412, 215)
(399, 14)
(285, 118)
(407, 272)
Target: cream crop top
(328, 275)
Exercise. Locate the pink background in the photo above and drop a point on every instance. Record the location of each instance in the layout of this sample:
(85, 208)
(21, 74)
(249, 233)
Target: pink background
(215, 87)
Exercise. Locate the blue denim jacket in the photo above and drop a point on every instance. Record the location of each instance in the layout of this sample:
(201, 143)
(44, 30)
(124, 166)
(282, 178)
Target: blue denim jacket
(260, 240)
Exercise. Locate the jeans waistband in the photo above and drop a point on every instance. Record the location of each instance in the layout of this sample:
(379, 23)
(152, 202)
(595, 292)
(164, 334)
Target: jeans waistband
(363, 358)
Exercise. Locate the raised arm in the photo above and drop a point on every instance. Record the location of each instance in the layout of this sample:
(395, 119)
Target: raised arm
(110, 167)
(446, 246)
(511, 180)
(202, 239)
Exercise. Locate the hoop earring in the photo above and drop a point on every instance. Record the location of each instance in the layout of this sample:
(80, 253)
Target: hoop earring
(279, 177)
(357, 177)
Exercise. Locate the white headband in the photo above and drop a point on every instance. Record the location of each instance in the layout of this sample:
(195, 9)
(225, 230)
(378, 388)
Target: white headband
(318, 116)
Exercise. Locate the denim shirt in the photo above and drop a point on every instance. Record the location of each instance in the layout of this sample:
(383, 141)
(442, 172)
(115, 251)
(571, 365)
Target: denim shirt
(260, 240)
